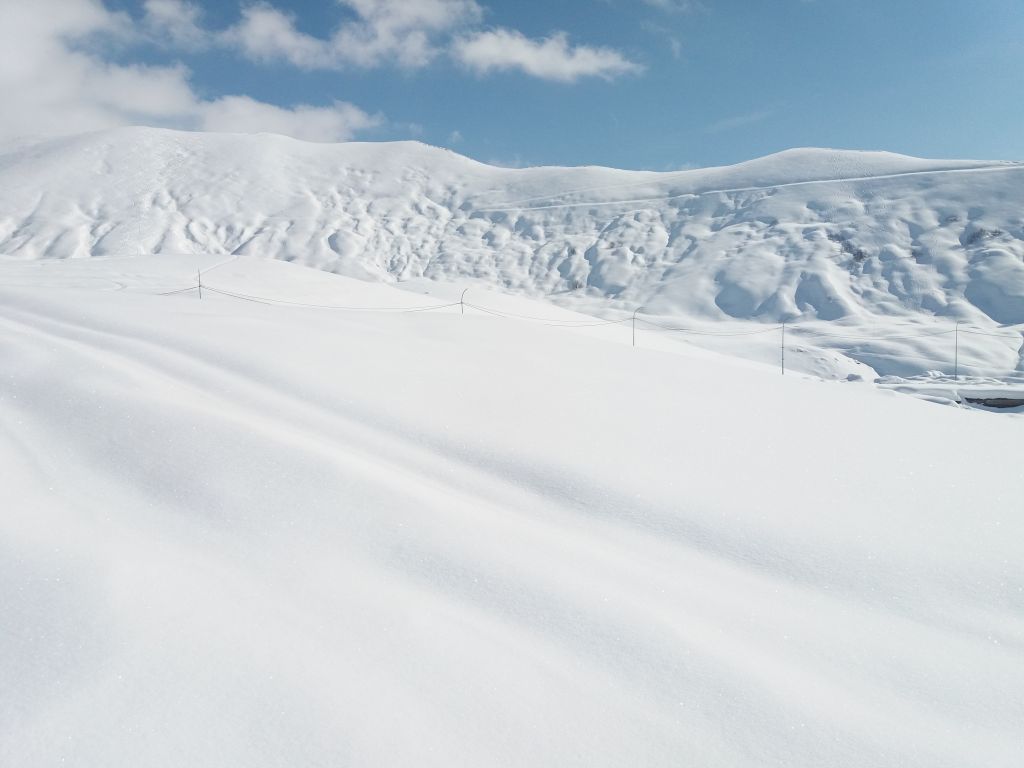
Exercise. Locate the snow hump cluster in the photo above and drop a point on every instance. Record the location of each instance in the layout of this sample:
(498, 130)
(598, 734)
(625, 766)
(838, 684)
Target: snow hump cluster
(806, 234)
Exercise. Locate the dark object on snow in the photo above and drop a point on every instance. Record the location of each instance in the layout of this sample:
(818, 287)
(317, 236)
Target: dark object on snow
(996, 402)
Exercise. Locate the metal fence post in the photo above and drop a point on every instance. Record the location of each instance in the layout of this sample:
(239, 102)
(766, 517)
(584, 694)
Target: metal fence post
(956, 351)
(783, 347)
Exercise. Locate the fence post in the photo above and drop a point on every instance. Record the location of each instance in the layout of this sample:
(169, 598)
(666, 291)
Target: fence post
(199, 275)
(783, 347)
(956, 351)
(462, 302)
(634, 325)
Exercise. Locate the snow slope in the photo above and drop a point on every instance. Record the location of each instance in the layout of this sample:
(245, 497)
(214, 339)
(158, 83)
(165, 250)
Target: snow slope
(239, 534)
(874, 243)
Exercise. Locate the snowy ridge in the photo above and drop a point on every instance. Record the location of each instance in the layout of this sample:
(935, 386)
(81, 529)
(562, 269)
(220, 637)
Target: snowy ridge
(866, 240)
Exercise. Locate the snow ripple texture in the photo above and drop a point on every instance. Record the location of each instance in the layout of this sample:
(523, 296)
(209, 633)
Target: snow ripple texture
(235, 534)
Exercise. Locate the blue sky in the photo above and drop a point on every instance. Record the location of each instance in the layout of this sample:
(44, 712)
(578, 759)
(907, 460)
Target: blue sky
(657, 84)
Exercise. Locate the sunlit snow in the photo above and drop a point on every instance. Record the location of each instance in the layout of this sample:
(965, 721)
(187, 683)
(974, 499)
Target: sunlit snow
(451, 506)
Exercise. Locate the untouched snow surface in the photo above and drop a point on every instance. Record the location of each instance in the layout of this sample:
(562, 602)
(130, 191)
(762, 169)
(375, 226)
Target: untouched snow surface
(237, 534)
(867, 244)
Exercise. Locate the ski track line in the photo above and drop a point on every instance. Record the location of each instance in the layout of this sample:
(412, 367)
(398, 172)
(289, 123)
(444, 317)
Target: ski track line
(661, 177)
(668, 176)
(513, 206)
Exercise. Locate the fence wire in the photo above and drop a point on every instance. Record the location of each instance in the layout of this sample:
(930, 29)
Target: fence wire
(639, 322)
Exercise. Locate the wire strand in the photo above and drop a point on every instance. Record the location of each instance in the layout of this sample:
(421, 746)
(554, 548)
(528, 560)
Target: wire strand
(272, 301)
(180, 290)
(708, 333)
(994, 335)
(843, 337)
(567, 323)
(547, 320)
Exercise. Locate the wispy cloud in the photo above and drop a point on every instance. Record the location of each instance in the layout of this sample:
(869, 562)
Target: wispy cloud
(739, 121)
(409, 33)
(240, 114)
(675, 44)
(174, 23)
(552, 58)
(675, 6)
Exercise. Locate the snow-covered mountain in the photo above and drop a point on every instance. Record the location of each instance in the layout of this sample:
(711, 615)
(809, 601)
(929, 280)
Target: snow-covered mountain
(805, 235)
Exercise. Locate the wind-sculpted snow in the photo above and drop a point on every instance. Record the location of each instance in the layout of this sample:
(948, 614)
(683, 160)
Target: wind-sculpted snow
(869, 240)
(237, 534)
(803, 234)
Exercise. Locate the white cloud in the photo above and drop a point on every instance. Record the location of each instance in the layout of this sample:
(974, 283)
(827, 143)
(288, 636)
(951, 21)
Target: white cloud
(240, 114)
(265, 34)
(402, 28)
(56, 78)
(55, 82)
(552, 58)
(175, 23)
(412, 34)
(404, 32)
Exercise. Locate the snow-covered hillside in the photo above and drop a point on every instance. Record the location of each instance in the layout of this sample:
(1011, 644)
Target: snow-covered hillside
(240, 534)
(873, 244)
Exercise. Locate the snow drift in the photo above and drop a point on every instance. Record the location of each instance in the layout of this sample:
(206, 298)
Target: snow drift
(234, 534)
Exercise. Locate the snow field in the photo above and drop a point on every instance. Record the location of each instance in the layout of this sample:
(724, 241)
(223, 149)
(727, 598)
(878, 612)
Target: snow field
(242, 534)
